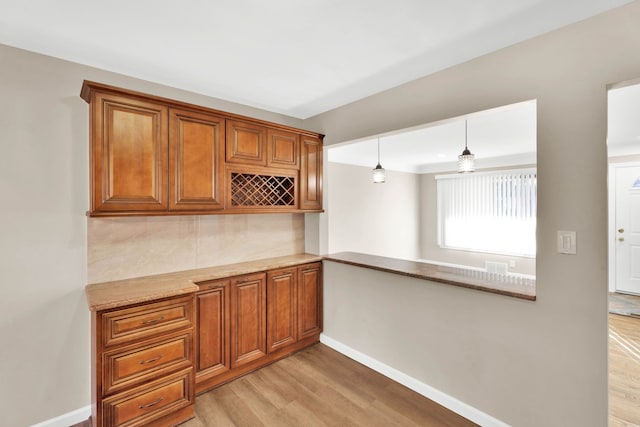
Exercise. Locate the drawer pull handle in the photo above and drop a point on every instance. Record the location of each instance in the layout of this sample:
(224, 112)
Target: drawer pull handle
(149, 405)
(151, 322)
(154, 359)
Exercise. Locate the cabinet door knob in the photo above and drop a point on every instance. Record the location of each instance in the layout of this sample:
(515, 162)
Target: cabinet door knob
(620, 230)
(621, 239)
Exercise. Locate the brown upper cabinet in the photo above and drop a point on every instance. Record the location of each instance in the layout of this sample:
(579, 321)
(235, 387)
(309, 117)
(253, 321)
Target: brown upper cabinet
(311, 174)
(196, 167)
(246, 143)
(156, 156)
(129, 154)
(283, 150)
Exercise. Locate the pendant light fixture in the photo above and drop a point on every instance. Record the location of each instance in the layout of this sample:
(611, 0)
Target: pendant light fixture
(466, 160)
(378, 171)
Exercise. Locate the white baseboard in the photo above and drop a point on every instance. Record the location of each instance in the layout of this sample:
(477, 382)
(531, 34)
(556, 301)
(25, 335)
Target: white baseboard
(427, 391)
(68, 419)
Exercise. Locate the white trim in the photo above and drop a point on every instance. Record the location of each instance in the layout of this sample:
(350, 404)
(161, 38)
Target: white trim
(68, 419)
(611, 255)
(426, 390)
(496, 172)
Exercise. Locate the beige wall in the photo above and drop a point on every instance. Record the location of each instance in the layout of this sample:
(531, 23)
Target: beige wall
(44, 321)
(377, 219)
(527, 364)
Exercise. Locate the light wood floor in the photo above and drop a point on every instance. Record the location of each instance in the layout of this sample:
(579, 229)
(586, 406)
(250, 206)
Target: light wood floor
(318, 387)
(624, 371)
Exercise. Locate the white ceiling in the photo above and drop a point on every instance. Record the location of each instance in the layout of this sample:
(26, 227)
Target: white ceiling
(296, 57)
(499, 137)
(623, 114)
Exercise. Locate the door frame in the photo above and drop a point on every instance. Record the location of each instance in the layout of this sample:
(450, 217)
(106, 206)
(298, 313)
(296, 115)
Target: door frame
(611, 237)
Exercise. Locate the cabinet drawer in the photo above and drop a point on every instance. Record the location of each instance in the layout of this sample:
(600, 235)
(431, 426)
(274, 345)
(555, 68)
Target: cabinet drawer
(135, 364)
(149, 402)
(130, 324)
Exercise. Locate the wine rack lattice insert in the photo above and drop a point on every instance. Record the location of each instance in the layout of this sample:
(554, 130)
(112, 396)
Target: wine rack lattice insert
(262, 190)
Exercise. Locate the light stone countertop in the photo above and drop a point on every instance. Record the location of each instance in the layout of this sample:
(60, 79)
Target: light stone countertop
(119, 293)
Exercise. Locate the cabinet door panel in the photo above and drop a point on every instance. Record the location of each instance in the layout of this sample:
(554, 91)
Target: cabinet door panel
(283, 149)
(246, 143)
(195, 160)
(311, 174)
(213, 331)
(281, 308)
(129, 155)
(309, 300)
(248, 319)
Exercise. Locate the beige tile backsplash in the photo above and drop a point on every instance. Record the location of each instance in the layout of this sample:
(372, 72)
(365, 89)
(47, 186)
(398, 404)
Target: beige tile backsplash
(121, 248)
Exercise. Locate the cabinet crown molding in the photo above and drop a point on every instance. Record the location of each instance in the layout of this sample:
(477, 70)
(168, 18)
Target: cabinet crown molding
(89, 87)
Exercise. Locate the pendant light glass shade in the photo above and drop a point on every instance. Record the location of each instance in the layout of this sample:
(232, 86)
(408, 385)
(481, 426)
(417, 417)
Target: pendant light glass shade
(466, 160)
(378, 174)
(378, 171)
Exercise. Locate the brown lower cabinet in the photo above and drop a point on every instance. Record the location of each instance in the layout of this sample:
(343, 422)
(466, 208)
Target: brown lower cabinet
(248, 319)
(142, 369)
(282, 287)
(246, 322)
(309, 300)
(213, 341)
(150, 359)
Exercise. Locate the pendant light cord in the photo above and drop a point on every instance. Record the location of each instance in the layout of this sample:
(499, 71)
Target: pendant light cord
(465, 135)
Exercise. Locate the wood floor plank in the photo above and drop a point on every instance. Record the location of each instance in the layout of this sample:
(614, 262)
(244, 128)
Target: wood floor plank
(274, 388)
(624, 370)
(318, 387)
(303, 415)
(235, 410)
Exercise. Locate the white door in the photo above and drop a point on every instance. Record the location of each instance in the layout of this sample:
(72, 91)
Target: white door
(627, 232)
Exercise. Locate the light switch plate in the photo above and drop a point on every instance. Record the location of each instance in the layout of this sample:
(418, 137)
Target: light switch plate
(567, 242)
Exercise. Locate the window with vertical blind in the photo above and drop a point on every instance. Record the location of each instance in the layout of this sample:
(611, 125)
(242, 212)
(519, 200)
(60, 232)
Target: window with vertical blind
(492, 212)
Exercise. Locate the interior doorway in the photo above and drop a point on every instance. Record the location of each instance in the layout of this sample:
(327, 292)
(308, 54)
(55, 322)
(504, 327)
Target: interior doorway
(625, 234)
(623, 153)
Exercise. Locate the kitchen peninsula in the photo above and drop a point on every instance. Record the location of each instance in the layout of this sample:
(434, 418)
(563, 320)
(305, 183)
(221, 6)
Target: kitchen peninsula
(509, 285)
